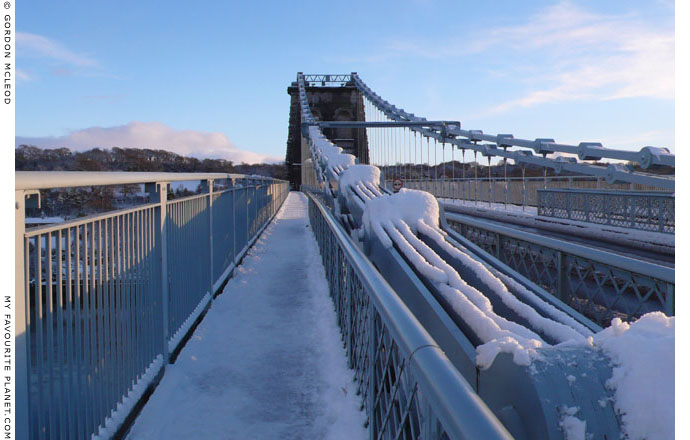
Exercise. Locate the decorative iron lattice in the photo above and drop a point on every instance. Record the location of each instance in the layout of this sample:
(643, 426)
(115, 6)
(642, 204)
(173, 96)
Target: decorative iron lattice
(395, 405)
(651, 211)
(323, 79)
(599, 291)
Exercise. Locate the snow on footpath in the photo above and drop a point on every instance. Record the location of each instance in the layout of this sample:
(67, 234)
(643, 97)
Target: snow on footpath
(267, 361)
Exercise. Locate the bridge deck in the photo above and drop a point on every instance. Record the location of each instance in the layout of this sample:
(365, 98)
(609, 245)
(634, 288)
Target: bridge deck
(267, 361)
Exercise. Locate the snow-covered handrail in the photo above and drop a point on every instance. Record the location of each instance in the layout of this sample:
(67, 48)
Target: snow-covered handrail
(452, 399)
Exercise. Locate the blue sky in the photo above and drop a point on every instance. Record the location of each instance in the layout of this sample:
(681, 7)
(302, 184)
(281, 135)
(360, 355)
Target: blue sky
(210, 78)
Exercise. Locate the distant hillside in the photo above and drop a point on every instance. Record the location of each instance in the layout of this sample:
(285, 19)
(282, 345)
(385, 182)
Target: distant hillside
(31, 158)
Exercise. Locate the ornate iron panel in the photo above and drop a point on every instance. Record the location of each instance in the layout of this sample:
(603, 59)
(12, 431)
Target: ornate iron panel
(599, 291)
(650, 211)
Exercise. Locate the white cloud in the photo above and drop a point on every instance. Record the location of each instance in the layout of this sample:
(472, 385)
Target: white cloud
(563, 53)
(35, 45)
(153, 135)
(587, 56)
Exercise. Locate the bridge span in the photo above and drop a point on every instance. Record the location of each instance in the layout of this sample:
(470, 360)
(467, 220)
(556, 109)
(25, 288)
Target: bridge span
(451, 326)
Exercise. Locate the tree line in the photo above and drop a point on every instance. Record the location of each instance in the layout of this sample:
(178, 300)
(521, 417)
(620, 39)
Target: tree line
(32, 158)
(76, 202)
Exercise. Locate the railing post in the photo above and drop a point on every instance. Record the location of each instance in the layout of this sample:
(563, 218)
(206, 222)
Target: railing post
(231, 184)
(159, 194)
(207, 187)
(246, 188)
(608, 209)
(22, 424)
(669, 308)
(562, 277)
(662, 214)
(371, 392)
(631, 207)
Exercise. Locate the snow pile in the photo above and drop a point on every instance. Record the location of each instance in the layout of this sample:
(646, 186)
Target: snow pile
(561, 330)
(397, 219)
(331, 157)
(573, 428)
(523, 352)
(643, 375)
(337, 163)
(410, 207)
(362, 180)
(112, 423)
(187, 324)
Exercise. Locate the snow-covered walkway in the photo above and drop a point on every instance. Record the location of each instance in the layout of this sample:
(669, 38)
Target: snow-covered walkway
(267, 361)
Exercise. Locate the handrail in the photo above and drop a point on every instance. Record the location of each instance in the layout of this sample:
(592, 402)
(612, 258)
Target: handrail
(461, 411)
(667, 194)
(63, 179)
(642, 267)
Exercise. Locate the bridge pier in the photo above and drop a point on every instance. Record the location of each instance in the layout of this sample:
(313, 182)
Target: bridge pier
(328, 103)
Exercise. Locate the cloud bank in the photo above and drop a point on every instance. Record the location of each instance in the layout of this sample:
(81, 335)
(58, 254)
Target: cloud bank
(152, 135)
(588, 56)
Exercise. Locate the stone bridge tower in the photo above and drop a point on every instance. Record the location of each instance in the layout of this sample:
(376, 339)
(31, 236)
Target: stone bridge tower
(340, 102)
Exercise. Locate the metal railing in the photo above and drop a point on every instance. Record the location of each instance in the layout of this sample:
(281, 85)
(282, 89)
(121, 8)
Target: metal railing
(408, 386)
(598, 284)
(102, 301)
(514, 190)
(637, 210)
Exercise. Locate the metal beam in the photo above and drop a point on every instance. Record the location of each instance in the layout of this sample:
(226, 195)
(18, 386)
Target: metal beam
(378, 124)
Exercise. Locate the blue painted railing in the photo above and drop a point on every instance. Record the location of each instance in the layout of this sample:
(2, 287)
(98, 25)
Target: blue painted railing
(512, 190)
(601, 285)
(102, 301)
(409, 388)
(647, 211)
